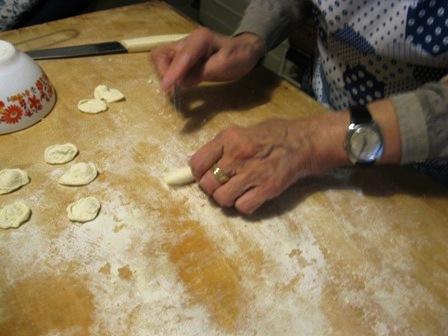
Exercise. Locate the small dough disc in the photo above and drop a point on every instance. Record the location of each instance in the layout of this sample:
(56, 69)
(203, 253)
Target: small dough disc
(83, 210)
(79, 174)
(108, 94)
(179, 176)
(59, 154)
(12, 179)
(92, 106)
(13, 215)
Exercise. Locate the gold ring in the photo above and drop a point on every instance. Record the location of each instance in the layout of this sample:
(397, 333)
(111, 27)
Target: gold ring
(220, 176)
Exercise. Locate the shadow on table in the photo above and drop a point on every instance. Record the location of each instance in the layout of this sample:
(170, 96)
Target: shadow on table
(372, 181)
(200, 104)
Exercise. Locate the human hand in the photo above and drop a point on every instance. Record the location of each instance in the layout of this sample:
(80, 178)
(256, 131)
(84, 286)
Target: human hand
(207, 56)
(265, 159)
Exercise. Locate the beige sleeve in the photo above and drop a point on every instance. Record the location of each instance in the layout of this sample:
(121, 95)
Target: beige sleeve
(423, 119)
(270, 19)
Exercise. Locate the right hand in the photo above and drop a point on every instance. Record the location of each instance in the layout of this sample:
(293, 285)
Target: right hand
(263, 160)
(207, 56)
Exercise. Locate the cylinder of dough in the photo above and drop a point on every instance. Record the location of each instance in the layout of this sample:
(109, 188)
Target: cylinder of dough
(180, 176)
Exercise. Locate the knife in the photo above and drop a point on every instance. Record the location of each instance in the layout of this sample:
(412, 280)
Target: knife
(134, 45)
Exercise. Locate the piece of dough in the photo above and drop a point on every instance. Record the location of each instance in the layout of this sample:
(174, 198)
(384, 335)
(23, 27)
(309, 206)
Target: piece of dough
(14, 214)
(83, 210)
(92, 106)
(59, 154)
(12, 179)
(179, 176)
(108, 94)
(79, 174)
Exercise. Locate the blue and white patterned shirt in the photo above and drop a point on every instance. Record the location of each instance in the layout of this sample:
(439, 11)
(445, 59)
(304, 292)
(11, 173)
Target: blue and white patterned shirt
(372, 49)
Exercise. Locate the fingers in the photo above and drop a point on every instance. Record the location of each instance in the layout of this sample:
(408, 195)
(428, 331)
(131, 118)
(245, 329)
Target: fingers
(234, 60)
(249, 186)
(162, 58)
(241, 191)
(243, 177)
(252, 200)
(226, 195)
(206, 157)
(197, 47)
(260, 161)
(209, 182)
(225, 66)
(207, 56)
(194, 77)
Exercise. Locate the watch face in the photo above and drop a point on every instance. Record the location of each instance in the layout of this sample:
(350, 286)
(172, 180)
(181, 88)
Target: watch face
(366, 144)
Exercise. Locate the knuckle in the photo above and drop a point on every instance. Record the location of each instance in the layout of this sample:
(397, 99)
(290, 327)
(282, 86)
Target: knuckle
(203, 33)
(222, 199)
(224, 57)
(245, 150)
(186, 55)
(204, 186)
(273, 188)
(232, 133)
(247, 176)
(238, 145)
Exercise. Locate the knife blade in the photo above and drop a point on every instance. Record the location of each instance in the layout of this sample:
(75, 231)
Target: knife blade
(134, 45)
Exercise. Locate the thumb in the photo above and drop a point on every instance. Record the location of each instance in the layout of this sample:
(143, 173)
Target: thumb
(197, 46)
(225, 66)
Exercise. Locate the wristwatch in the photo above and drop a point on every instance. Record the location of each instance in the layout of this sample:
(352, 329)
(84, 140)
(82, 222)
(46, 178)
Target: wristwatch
(364, 142)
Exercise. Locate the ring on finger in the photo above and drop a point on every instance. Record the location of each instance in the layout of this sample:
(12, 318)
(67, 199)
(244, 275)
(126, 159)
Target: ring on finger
(219, 174)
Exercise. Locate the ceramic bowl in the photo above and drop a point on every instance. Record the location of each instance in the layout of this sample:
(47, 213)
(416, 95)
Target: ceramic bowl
(26, 94)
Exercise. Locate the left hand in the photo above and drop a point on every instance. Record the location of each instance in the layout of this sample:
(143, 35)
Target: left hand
(264, 160)
(207, 56)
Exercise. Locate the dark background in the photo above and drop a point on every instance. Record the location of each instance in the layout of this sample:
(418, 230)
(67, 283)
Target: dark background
(49, 10)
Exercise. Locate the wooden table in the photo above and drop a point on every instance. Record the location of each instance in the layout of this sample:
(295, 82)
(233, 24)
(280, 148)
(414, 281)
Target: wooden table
(357, 252)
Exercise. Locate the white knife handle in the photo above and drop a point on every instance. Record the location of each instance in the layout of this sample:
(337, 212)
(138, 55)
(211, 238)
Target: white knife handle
(149, 42)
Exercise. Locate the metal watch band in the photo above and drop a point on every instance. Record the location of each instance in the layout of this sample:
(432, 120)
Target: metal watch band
(360, 114)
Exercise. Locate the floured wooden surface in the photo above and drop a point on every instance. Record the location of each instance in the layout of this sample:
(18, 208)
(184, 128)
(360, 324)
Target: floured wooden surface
(356, 252)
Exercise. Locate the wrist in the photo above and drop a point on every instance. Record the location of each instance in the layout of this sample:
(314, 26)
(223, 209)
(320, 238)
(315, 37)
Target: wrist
(256, 43)
(329, 143)
(332, 136)
(322, 138)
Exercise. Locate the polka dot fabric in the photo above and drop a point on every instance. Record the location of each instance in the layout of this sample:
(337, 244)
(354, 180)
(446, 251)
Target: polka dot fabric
(370, 49)
(427, 26)
(351, 37)
(363, 86)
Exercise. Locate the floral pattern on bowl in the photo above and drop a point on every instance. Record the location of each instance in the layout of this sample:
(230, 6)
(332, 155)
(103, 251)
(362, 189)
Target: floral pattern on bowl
(27, 103)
